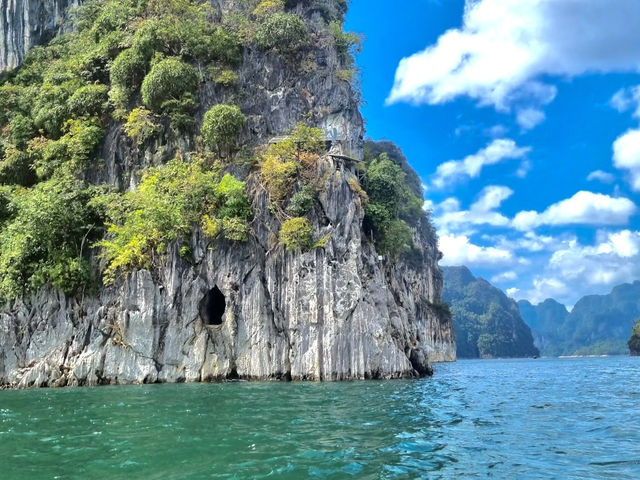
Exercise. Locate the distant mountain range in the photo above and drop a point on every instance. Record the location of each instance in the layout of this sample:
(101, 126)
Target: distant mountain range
(598, 324)
(487, 323)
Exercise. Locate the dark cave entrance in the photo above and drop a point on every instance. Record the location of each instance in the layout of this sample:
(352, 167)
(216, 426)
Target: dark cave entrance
(212, 307)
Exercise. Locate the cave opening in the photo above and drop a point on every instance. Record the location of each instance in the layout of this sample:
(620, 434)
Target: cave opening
(212, 307)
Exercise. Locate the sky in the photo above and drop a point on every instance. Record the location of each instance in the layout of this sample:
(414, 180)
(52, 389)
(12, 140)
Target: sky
(523, 121)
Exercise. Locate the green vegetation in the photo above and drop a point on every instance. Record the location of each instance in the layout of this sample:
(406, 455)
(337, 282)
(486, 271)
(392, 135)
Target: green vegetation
(597, 325)
(140, 126)
(297, 234)
(487, 323)
(171, 87)
(391, 203)
(137, 66)
(221, 126)
(347, 45)
(45, 236)
(282, 31)
(169, 202)
(302, 201)
(224, 78)
(283, 160)
(634, 341)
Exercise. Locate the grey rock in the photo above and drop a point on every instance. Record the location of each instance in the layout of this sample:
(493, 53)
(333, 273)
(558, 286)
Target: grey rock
(334, 313)
(26, 23)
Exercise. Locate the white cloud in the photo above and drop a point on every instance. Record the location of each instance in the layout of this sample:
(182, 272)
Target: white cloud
(544, 288)
(529, 118)
(584, 208)
(601, 176)
(530, 242)
(449, 216)
(512, 292)
(496, 152)
(626, 99)
(626, 156)
(505, 47)
(504, 277)
(459, 250)
(491, 198)
(574, 269)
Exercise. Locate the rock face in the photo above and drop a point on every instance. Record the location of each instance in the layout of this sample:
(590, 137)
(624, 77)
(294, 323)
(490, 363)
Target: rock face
(332, 314)
(26, 23)
(247, 310)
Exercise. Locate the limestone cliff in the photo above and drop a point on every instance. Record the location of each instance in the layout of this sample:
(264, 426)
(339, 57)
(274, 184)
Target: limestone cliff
(248, 310)
(26, 23)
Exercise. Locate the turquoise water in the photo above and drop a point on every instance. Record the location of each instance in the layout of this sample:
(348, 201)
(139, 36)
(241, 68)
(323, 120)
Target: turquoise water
(501, 419)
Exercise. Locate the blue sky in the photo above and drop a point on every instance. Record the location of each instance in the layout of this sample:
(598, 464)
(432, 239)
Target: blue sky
(522, 119)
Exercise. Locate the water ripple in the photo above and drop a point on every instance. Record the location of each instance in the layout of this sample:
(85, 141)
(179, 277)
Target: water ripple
(544, 419)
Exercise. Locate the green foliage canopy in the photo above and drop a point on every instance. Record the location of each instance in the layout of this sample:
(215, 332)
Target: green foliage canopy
(221, 126)
(283, 31)
(168, 203)
(297, 234)
(44, 237)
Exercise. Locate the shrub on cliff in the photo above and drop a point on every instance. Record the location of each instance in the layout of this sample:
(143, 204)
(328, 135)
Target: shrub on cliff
(128, 70)
(169, 79)
(45, 238)
(283, 31)
(282, 160)
(221, 126)
(391, 201)
(297, 234)
(140, 126)
(169, 202)
(347, 44)
(88, 100)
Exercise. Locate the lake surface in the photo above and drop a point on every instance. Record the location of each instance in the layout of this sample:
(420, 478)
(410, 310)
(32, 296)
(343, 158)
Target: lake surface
(502, 419)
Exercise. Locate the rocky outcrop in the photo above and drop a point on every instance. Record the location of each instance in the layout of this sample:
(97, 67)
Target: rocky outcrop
(26, 23)
(331, 314)
(486, 322)
(248, 310)
(634, 341)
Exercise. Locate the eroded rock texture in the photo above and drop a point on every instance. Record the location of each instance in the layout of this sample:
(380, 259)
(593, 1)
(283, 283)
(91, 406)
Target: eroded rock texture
(335, 313)
(26, 23)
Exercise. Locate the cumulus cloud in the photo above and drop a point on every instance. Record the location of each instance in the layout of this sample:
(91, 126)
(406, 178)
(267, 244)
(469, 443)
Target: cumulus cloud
(547, 287)
(504, 277)
(530, 242)
(529, 118)
(459, 250)
(512, 292)
(601, 176)
(450, 217)
(574, 270)
(584, 208)
(505, 48)
(626, 156)
(497, 151)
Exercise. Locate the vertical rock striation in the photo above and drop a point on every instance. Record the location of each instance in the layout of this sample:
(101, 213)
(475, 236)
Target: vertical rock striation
(26, 23)
(248, 310)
